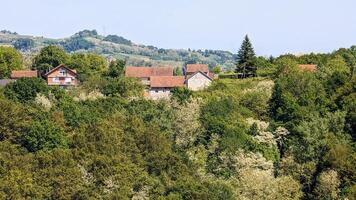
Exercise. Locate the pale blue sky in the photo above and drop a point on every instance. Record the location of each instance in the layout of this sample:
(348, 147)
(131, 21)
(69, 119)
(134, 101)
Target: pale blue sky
(274, 26)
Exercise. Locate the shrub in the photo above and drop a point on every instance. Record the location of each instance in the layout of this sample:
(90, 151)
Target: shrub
(25, 89)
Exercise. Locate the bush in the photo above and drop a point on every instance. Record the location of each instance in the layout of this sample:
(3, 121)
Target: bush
(25, 89)
(181, 94)
(123, 87)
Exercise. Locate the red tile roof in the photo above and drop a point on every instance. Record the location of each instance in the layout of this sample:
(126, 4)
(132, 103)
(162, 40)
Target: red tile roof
(308, 67)
(23, 74)
(191, 68)
(167, 81)
(145, 72)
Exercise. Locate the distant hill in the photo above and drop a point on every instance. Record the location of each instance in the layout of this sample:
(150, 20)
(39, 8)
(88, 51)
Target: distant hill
(113, 46)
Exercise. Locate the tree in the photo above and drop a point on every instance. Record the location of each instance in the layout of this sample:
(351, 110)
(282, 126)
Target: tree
(116, 68)
(44, 135)
(50, 56)
(87, 65)
(217, 69)
(246, 59)
(10, 59)
(123, 87)
(25, 89)
(77, 43)
(177, 71)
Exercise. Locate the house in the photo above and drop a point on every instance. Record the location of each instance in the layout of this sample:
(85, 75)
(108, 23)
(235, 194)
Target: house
(61, 76)
(145, 73)
(16, 74)
(198, 76)
(198, 81)
(308, 67)
(161, 86)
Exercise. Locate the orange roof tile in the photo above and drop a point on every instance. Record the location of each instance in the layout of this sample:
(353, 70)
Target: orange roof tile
(23, 74)
(309, 67)
(145, 72)
(191, 68)
(167, 81)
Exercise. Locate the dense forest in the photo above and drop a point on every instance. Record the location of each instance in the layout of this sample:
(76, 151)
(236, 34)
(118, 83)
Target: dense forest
(285, 134)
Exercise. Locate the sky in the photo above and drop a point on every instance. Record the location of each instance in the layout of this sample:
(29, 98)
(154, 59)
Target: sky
(274, 26)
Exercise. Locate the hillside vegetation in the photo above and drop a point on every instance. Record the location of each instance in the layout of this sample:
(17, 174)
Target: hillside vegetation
(113, 46)
(287, 135)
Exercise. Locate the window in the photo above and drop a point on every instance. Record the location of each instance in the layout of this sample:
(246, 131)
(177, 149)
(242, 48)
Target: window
(68, 80)
(62, 72)
(55, 80)
(156, 91)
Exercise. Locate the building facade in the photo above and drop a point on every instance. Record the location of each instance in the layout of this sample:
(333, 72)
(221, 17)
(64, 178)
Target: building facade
(61, 76)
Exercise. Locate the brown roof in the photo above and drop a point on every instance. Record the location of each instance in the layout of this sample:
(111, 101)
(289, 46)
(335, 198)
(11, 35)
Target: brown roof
(145, 72)
(191, 68)
(59, 66)
(308, 67)
(23, 74)
(167, 81)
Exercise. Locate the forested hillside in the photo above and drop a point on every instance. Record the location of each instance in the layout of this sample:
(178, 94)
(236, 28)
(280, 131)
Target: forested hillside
(113, 46)
(287, 134)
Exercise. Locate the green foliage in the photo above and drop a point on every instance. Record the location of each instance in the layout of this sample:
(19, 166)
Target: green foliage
(217, 69)
(181, 94)
(10, 60)
(123, 87)
(117, 39)
(87, 65)
(77, 43)
(50, 56)
(177, 71)
(116, 68)
(296, 97)
(44, 135)
(25, 89)
(246, 58)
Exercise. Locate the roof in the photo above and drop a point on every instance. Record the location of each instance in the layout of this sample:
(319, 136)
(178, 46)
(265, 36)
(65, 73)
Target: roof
(23, 74)
(167, 81)
(60, 66)
(191, 68)
(145, 72)
(204, 74)
(309, 67)
(4, 82)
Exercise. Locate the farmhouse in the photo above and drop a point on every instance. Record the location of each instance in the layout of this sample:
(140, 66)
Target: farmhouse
(161, 86)
(198, 81)
(61, 76)
(198, 76)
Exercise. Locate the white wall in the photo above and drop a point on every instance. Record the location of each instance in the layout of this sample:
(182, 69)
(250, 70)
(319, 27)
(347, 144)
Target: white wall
(198, 82)
(159, 93)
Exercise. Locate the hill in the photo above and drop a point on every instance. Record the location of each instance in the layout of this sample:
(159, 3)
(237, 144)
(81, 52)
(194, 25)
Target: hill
(113, 46)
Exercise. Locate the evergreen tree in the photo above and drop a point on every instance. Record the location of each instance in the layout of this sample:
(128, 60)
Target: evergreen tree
(245, 59)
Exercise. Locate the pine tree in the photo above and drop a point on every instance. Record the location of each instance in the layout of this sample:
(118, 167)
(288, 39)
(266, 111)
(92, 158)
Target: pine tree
(245, 59)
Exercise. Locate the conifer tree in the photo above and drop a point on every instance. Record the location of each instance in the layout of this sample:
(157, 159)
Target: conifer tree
(245, 59)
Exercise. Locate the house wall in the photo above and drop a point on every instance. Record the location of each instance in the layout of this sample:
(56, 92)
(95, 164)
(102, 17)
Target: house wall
(159, 93)
(62, 79)
(198, 82)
